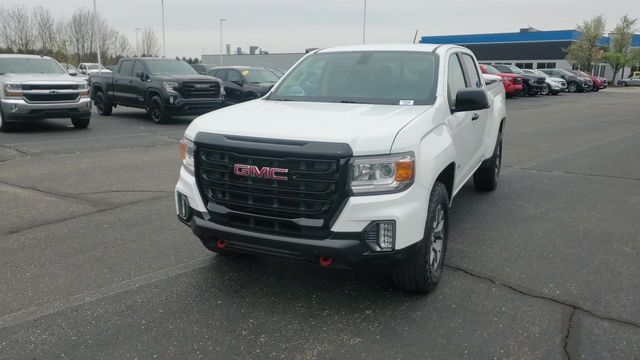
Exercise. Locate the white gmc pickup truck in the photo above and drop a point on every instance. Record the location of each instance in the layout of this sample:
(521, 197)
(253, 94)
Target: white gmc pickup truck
(354, 155)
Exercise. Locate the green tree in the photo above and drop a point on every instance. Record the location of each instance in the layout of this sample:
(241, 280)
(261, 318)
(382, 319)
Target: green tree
(620, 53)
(586, 51)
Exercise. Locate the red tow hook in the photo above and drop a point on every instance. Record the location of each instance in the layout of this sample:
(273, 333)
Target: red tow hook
(221, 244)
(326, 261)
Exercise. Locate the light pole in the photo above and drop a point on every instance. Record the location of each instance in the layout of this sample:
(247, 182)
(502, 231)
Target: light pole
(164, 48)
(95, 29)
(221, 20)
(364, 22)
(137, 29)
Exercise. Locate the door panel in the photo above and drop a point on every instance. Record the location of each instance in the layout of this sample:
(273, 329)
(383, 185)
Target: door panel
(460, 123)
(479, 118)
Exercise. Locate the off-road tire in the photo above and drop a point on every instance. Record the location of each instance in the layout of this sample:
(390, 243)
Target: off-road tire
(487, 175)
(417, 273)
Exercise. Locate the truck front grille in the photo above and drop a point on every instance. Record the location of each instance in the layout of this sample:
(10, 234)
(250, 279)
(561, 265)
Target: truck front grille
(51, 97)
(50, 86)
(302, 205)
(200, 89)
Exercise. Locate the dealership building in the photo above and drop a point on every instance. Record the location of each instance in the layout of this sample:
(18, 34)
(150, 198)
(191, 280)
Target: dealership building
(528, 49)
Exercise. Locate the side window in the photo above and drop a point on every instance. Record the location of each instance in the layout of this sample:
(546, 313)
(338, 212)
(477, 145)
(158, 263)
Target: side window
(126, 67)
(220, 74)
(234, 76)
(455, 79)
(138, 67)
(472, 70)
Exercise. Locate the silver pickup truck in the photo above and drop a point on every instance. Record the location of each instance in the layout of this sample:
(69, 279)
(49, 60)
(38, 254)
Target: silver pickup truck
(34, 87)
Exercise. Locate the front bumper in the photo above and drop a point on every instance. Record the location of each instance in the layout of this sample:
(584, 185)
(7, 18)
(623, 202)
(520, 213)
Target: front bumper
(344, 248)
(17, 109)
(407, 209)
(176, 105)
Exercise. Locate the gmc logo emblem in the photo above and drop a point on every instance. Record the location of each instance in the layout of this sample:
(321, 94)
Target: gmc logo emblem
(263, 172)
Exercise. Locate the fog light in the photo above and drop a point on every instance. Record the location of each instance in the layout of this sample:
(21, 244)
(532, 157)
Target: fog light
(13, 108)
(386, 235)
(380, 235)
(171, 99)
(183, 207)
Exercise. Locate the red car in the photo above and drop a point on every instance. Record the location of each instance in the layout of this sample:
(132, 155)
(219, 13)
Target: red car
(513, 83)
(598, 82)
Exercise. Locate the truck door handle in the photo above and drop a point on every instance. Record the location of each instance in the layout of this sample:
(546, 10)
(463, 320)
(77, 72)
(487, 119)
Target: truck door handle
(130, 81)
(115, 81)
(475, 117)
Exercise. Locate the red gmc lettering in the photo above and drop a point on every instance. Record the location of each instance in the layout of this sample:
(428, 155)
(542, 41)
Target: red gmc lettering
(263, 172)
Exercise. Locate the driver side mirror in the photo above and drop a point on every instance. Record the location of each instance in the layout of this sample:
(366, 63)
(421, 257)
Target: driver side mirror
(238, 82)
(140, 75)
(470, 100)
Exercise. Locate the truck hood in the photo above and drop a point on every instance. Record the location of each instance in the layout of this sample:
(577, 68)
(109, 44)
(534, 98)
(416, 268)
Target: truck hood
(40, 77)
(196, 77)
(368, 129)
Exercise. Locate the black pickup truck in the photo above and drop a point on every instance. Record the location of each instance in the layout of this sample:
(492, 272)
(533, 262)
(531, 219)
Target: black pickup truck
(163, 87)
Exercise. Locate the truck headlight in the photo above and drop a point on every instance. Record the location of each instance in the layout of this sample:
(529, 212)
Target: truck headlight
(170, 85)
(83, 88)
(13, 90)
(187, 150)
(382, 174)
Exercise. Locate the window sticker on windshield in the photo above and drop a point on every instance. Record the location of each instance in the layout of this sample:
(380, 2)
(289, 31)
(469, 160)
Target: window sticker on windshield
(245, 72)
(406, 102)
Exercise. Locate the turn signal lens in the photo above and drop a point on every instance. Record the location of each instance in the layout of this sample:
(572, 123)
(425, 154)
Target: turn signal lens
(404, 170)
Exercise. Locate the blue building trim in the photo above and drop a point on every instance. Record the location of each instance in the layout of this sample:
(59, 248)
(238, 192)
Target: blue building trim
(514, 37)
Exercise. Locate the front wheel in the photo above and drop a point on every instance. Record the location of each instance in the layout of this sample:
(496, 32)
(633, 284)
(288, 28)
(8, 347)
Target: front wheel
(156, 111)
(103, 104)
(545, 90)
(6, 126)
(421, 272)
(80, 123)
(572, 87)
(624, 83)
(486, 176)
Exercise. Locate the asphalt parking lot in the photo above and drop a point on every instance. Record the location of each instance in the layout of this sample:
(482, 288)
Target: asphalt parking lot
(94, 263)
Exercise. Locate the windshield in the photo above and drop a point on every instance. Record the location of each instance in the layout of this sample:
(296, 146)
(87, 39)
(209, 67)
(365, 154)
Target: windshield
(170, 67)
(259, 76)
(372, 77)
(491, 70)
(95, 67)
(30, 66)
(514, 69)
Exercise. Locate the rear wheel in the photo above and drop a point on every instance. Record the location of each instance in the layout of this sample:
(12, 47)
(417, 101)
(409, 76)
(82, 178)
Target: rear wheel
(102, 104)
(572, 87)
(486, 176)
(156, 111)
(81, 123)
(421, 272)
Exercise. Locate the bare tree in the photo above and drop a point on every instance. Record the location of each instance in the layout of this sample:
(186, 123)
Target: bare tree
(80, 33)
(122, 46)
(22, 27)
(7, 33)
(149, 43)
(45, 28)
